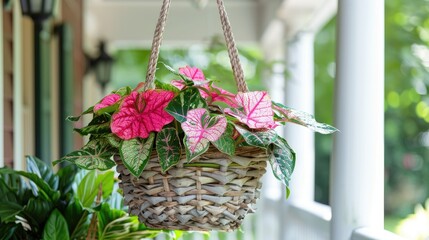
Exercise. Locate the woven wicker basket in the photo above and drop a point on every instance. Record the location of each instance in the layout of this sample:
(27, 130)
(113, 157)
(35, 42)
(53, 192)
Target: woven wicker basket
(214, 196)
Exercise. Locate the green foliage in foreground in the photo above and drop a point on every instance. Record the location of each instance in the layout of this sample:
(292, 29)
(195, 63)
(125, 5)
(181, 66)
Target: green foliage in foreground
(41, 204)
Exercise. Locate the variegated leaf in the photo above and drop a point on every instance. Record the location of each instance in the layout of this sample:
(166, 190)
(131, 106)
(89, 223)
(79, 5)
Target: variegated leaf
(255, 110)
(188, 99)
(114, 140)
(168, 148)
(166, 86)
(207, 89)
(106, 102)
(99, 125)
(123, 91)
(201, 128)
(282, 159)
(260, 139)
(96, 154)
(193, 73)
(141, 114)
(76, 118)
(202, 148)
(286, 114)
(135, 153)
(226, 143)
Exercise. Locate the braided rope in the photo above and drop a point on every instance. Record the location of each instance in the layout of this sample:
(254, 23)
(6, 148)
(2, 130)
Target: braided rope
(156, 43)
(229, 39)
(232, 49)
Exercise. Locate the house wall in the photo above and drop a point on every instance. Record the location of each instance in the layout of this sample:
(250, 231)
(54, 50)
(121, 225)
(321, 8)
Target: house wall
(17, 110)
(72, 13)
(27, 49)
(8, 78)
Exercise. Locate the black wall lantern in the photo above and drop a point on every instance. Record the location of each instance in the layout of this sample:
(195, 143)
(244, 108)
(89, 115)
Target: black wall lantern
(39, 11)
(102, 65)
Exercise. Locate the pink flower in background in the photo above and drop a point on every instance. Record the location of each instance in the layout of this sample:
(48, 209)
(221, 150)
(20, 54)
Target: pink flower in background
(256, 110)
(142, 113)
(107, 101)
(215, 93)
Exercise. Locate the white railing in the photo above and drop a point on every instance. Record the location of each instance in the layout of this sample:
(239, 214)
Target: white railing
(373, 234)
(308, 221)
(301, 221)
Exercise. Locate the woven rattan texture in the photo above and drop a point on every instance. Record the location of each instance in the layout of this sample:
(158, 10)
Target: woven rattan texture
(215, 195)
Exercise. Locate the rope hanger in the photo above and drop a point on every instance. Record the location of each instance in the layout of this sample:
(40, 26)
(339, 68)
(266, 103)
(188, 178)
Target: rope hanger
(229, 39)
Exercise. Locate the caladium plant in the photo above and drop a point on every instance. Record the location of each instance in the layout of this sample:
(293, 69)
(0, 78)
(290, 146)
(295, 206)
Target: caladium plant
(184, 118)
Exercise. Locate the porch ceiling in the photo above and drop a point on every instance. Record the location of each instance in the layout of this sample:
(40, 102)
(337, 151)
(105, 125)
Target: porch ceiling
(132, 22)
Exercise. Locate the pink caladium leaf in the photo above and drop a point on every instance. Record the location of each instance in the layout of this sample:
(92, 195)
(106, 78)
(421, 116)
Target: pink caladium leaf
(255, 110)
(142, 113)
(178, 83)
(193, 73)
(107, 101)
(207, 90)
(201, 129)
(221, 95)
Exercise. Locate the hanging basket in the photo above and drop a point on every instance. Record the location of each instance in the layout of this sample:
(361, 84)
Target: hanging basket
(185, 162)
(214, 192)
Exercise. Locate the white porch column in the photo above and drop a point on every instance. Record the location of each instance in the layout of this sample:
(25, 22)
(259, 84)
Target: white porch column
(357, 166)
(269, 220)
(300, 95)
(18, 116)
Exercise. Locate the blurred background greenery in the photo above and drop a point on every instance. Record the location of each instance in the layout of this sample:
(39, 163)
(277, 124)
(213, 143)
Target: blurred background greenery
(406, 105)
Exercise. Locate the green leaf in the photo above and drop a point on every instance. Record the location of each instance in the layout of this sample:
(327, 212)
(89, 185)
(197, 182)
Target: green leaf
(87, 189)
(187, 81)
(77, 220)
(197, 152)
(106, 215)
(109, 109)
(8, 211)
(8, 192)
(107, 181)
(302, 118)
(257, 139)
(99, 125)
(44, 189)
(41, 169)
(114, 140)
(56, 227)
(76, 118)
(168, 148)
(96, 154)
(123, 91)
(187, 99)
(66, 178)
(166, 86)
(226, 143)
(37, 211)
(135, 153)
(12, 231)
(116, 224)
(282, 160)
